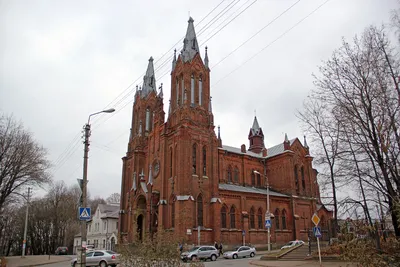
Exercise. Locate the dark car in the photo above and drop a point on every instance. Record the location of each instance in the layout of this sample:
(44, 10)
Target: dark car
(62, 251)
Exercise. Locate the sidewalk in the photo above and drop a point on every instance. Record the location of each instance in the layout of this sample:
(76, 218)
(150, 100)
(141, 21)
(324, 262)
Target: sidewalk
(35, 260)
(307, 263)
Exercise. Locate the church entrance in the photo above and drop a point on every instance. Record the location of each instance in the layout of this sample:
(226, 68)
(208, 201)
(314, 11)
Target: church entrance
(140, 227)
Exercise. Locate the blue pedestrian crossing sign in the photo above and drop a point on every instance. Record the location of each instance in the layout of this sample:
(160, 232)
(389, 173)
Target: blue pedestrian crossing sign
(317, 231)
(268, 223)
(84, 214)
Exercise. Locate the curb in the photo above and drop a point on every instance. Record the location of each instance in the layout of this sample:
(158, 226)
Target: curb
(41, 264)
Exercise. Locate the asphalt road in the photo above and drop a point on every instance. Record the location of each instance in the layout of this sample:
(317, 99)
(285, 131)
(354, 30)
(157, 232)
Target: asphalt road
(219, 262)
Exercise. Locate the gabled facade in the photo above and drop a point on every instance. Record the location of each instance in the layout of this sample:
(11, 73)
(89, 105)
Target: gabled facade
(177, 174)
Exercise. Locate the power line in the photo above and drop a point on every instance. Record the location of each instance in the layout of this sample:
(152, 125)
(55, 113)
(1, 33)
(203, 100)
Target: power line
(279, 37)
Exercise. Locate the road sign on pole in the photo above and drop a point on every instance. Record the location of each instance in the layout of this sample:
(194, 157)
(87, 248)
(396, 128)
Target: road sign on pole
(317, 231)
(84, 214)
(315, 219)
(268, 223)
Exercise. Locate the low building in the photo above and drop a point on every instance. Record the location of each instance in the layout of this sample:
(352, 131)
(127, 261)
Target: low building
(102, 229)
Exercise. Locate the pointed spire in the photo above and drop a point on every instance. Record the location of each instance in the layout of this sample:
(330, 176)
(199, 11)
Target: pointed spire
(149, 80)
(174, 60)
(170, 108)
(161, 95)
(206, 58)
(150, 176)
(255, 129)
(210, 106)
(305, 142)
(134, 182)
(219, 133)
(190, 45)
(286, 138)
(141, 175)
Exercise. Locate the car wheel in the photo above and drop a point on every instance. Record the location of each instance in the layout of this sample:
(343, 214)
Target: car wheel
(75, 264)
(193, 258)
(234, 256)
(252, 254)
(213, 257)
(103, 264)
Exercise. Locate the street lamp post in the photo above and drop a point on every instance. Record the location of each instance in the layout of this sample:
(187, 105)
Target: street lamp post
(84, 183)
(26, 224)
(267, 214)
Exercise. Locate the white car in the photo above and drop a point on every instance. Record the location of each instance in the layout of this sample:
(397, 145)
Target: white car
(293, 243)
(240, 252)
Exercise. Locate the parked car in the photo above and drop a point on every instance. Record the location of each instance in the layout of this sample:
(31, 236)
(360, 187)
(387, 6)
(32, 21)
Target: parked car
(102, 258)
(240, 252)
(61, 251)
(200, 252)
(293, 243)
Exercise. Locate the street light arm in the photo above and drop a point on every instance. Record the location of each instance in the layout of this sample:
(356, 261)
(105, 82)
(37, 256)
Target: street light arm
(111, 110)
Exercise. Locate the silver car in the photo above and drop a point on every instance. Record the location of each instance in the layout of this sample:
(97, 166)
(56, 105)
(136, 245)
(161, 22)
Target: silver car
(102, 258)
(240, 252)
(200, 252)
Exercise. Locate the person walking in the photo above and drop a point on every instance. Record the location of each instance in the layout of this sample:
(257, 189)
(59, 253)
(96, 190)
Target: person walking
(220, 248)
(180, 247)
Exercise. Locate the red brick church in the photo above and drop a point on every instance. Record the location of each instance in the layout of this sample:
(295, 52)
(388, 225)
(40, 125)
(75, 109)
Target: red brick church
(178, 175)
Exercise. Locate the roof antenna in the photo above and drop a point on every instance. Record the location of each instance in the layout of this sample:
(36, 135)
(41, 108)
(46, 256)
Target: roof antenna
(255, 113)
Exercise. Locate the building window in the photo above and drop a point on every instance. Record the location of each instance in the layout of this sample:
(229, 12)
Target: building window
(277, 219)
(296, 179)
(183, 90)
(177, 92)
(170, 162)
(204, 161)
(90, 227)
(236, 175)
(232, 217)
(229, 174)
(223, 217)
(283, 219)
(199, 211)
(104, 225)
(260, 219)
(147, 120)
(192, 90)
(303, 181)
(253, 178)
(252, 221)
(104, 243)
(258, 179)
(200, 90)
(194, 159)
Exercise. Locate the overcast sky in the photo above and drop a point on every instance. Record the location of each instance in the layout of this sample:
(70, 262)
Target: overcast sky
(63, 60)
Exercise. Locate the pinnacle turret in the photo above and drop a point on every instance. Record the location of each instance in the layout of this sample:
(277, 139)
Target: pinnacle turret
(149, 80)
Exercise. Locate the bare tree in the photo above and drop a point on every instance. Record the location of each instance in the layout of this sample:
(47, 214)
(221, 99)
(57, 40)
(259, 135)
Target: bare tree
(113, 198)
(22, 161)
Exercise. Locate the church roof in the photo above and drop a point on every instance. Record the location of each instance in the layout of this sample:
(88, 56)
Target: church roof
(149, 80)
(190, 45)
(248, 189)
(109, 210)
(255, 129)
(271, 152)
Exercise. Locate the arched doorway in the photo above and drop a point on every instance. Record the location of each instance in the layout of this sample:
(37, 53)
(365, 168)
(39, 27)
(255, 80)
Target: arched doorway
(112, 243)
(139, 229)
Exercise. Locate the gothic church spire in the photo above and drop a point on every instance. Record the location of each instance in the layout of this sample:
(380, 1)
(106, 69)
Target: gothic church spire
(190, 45)
(149, 80)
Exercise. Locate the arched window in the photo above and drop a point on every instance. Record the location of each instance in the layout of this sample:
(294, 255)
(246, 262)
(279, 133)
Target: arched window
(283, 219)
(258, 179)
(277, 213)
(199, 211)
(303, 181)
(252, 219)
(170, 162)
(147, 127)
(192, 90)
(253, 178)
(194, 158)
(204, 161)
(223, 217)
(200, 90)
(183, 90)
(236, 175)
(229, 174)
(232, 217)
(177, 92)
(296, 179)
(260, 219)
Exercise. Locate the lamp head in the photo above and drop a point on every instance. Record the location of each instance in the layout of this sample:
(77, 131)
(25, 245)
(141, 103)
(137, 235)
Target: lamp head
(110, 110)
(256, 172)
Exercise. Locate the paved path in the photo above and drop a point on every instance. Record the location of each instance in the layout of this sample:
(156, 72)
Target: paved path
(36, 260)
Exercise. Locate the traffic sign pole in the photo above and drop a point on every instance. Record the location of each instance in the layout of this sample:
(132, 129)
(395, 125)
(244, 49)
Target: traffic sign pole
(319, 252)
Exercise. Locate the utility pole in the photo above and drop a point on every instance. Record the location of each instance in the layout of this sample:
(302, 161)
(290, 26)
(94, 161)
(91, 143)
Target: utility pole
(84, 193)
(26, 224)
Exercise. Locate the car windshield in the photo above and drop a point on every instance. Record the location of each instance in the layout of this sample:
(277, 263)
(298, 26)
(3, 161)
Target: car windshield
(193, 249)
(110, 252)
(289, 244)
(236, 248)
